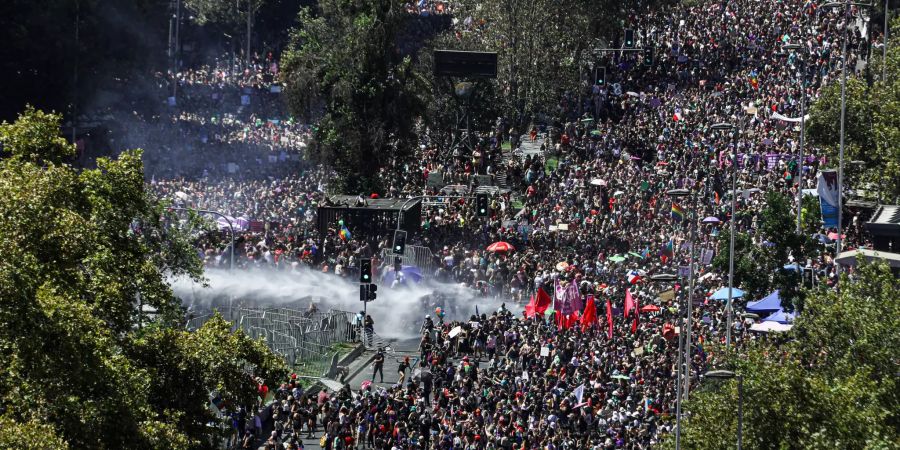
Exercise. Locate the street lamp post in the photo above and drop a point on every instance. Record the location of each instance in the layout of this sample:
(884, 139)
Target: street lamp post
(680, 193)
(840, 199)
(728, 307)
(802, 83)
(887, 15)
(669, 278)
(727, 375)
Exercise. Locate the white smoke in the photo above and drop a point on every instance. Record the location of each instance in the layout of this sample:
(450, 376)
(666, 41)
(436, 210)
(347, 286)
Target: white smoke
(398, 313)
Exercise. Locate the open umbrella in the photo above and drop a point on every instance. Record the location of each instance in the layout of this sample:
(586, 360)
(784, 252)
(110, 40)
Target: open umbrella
(620, 377)
(598, 182)
(617, 258)
(595, 133)
(500, 247)
(722, 294)
(562, 265)
(649, 308)
(618, 193)
(711, 219)
(411, 273)
(637, 255)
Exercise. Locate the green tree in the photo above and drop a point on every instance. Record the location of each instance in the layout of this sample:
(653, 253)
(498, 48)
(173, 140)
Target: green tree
(79, 248)
(344, 59)
(542, 46)
(831, 384)
(759, 269)
(228, 13)
(872, 125)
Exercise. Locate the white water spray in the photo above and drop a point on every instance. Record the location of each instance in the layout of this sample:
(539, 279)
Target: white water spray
(398, 313)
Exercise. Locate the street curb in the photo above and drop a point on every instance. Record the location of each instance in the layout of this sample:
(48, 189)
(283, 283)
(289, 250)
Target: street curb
(348, 358)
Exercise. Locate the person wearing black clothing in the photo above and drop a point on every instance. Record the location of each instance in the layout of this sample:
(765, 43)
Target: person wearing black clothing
(404, 366)
(379, 365)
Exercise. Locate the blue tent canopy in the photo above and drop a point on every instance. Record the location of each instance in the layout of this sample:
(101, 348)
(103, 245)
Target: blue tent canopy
(769, 304)
(781, 316)
(722, 294)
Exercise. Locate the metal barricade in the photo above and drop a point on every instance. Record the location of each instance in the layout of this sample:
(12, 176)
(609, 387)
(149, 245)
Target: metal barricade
(306, 339)
(415, 255)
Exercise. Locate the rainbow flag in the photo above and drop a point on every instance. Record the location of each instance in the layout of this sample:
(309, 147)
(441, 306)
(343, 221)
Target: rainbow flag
(677, 212)
(344, 233)
(754, 79)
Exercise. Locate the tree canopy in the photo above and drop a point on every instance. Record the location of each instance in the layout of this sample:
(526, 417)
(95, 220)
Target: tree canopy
(830, 383)
(78, 363)
(344, 59)
(872, 125)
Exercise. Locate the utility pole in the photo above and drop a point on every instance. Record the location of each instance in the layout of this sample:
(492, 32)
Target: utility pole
(177, 49)
(75, 73)
(249, 28)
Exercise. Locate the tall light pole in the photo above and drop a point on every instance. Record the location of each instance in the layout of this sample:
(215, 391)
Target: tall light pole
(840, 199)
(727, 375)
(802, 82)
(670, 278)
(729, 310)
(887, 15)
(688, 322)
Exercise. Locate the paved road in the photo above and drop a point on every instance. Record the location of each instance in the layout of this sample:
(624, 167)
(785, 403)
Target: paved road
(409, 347)
(392, 360)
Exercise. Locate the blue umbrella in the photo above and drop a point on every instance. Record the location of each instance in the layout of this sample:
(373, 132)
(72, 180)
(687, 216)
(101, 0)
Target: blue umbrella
(722, 294)
(410, 273)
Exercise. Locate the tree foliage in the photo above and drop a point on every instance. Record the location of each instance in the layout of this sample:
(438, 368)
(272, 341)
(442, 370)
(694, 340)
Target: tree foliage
(344, 58)
(872, 124)
(79, 249)
(759, 266)
(228, 13)
(832, 384)
(541, 45)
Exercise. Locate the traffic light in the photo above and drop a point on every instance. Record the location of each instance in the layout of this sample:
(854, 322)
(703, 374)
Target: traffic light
(481, 205)
(399, 242)
(629, 38)
(648, 56)
(600, 76)
(365, 270)
(367, 292)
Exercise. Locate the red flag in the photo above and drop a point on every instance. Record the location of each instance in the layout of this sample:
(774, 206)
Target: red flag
(629, 302)
(530, 308)
(609, 317)
(590, 314)
(543, 301)
(637, 313)
(538, 304)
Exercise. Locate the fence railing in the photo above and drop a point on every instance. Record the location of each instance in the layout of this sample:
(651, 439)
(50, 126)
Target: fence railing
(306, 339)
(414, 255)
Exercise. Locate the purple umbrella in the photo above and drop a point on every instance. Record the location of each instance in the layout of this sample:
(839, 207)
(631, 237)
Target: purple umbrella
(410, 273)
(711, 219)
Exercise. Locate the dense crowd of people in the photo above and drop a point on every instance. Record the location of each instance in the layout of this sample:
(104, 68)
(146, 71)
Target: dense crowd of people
(588, 209)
